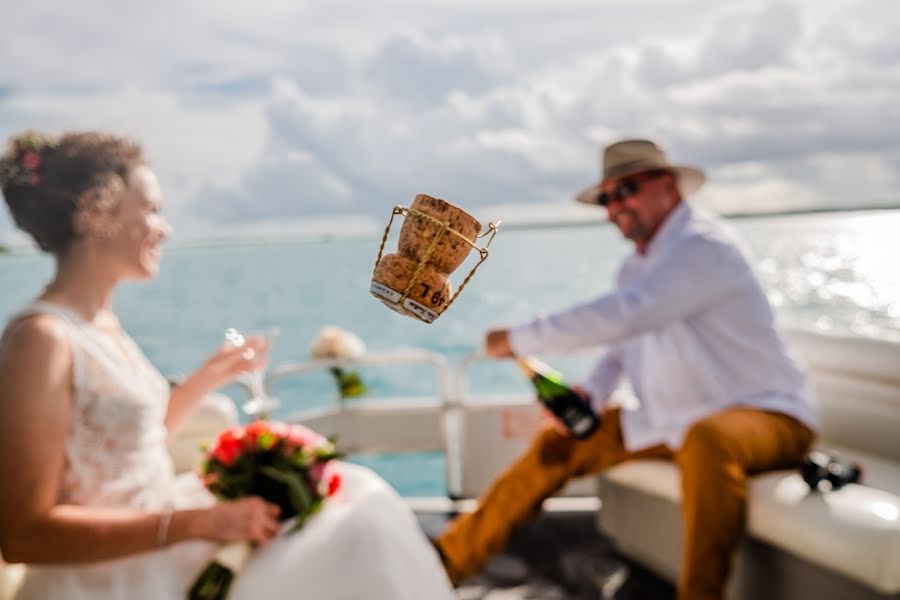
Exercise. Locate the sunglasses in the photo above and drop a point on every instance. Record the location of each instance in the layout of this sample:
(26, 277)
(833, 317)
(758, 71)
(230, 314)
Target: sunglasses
(627, 187)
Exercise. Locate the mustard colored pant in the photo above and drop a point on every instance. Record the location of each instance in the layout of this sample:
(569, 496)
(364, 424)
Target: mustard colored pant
(717, 455)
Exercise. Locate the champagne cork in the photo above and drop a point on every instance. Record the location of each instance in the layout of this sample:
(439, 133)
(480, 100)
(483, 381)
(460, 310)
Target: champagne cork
(435, 239)
(417, 233)
(429, 295)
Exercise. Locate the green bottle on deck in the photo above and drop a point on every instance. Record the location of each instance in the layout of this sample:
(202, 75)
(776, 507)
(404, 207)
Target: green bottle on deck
(560, 399)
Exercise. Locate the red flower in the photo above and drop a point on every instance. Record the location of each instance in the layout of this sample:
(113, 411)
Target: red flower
(228, 446)
(334, 484)
(253, 432)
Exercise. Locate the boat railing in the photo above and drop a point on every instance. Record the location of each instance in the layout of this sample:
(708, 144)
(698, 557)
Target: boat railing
(393, 424)
(462, 379)
(400, 357)
(478, 435)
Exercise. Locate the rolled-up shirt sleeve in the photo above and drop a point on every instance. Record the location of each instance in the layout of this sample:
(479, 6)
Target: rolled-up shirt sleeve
(694, 273)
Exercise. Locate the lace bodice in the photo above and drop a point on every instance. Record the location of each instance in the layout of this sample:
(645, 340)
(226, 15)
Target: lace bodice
(116, 448)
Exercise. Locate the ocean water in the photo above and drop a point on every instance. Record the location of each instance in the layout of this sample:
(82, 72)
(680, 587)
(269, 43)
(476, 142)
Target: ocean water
(831, 271)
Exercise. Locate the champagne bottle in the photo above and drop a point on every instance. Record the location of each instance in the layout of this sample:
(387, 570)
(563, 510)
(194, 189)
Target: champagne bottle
(215, 580)
(560, 399)
(213, 583)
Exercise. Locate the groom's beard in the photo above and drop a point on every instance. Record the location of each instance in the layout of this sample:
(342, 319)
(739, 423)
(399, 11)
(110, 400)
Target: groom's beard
(631, 226)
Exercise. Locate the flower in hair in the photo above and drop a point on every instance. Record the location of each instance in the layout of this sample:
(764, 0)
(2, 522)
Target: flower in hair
(29, 165)
(31, 160)
(23, 167)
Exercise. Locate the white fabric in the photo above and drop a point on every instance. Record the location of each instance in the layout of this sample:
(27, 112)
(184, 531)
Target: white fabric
(689, 327)
(364, 544)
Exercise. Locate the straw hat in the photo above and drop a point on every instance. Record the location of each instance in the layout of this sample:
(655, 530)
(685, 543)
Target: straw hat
(635, 156)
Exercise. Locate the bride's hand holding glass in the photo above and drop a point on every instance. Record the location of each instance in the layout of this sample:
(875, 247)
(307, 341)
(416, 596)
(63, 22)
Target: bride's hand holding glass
(260, 404)
(233, 360)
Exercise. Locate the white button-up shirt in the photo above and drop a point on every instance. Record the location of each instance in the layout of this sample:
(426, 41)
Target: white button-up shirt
(690, 328)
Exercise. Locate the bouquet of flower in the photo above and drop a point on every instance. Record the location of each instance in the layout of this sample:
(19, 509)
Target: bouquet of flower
(282, 463)
(334, 343)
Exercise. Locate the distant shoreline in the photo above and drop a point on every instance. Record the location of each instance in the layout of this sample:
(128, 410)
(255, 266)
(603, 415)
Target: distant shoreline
(585, 222)
(807, 211)
(283, 238)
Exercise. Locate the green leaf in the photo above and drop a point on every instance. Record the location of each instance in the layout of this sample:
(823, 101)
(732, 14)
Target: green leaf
(350, 384)
(301, 519)
(301, 497)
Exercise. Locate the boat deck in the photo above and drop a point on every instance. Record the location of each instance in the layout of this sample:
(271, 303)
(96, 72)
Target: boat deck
(560, 556)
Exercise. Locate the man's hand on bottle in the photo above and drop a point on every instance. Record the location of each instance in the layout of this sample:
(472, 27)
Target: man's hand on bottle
(585, 395)
(548, 419)
(496, 343)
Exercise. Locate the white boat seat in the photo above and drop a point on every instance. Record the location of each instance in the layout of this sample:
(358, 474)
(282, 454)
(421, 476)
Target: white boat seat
(216, 413)
(836, 545)
(854, 531)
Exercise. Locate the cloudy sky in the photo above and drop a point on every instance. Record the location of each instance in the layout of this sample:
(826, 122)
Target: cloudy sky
(301, 113)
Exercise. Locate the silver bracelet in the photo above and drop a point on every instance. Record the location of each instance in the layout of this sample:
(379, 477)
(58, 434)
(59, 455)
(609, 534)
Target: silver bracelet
(162, 531)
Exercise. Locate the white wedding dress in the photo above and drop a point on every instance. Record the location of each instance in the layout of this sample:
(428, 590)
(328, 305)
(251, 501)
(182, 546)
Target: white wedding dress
(364, 544)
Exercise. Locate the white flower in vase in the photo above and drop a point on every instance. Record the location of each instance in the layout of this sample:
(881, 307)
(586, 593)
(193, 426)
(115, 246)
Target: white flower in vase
(334, 343)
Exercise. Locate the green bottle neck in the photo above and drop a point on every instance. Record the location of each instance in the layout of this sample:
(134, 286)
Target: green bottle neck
(547, 381)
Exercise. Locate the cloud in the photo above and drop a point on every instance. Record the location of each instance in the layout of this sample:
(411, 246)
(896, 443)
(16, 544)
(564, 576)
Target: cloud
(743, 42)
(293, 109)
(286, 186)
(415, 74)
(376, 166)
(749, 92)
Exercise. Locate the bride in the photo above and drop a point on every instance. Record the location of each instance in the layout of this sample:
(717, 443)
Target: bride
(90, 501)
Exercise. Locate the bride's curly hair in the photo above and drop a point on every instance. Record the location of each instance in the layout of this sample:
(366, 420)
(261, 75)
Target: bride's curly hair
(45, 180)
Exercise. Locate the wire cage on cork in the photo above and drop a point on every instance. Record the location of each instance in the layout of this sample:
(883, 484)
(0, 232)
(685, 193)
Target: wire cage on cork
(435, 239)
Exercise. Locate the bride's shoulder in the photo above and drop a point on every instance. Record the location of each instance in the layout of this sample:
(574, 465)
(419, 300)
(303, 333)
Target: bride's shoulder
(34, 329)
(36, 391)
(36, 338)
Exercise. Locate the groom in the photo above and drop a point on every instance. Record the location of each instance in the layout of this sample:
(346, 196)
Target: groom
(689, 327)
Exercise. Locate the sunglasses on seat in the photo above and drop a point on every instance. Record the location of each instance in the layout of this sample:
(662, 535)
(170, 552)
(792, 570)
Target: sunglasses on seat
(627, 187)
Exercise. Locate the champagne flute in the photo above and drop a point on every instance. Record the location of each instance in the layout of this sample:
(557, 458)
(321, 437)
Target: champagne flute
(260, 404)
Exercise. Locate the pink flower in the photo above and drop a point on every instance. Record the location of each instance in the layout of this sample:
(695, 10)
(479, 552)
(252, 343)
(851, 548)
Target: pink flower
(317, 472)
(279, 429)
(300, 436)
(31, 160)
(326, 480)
